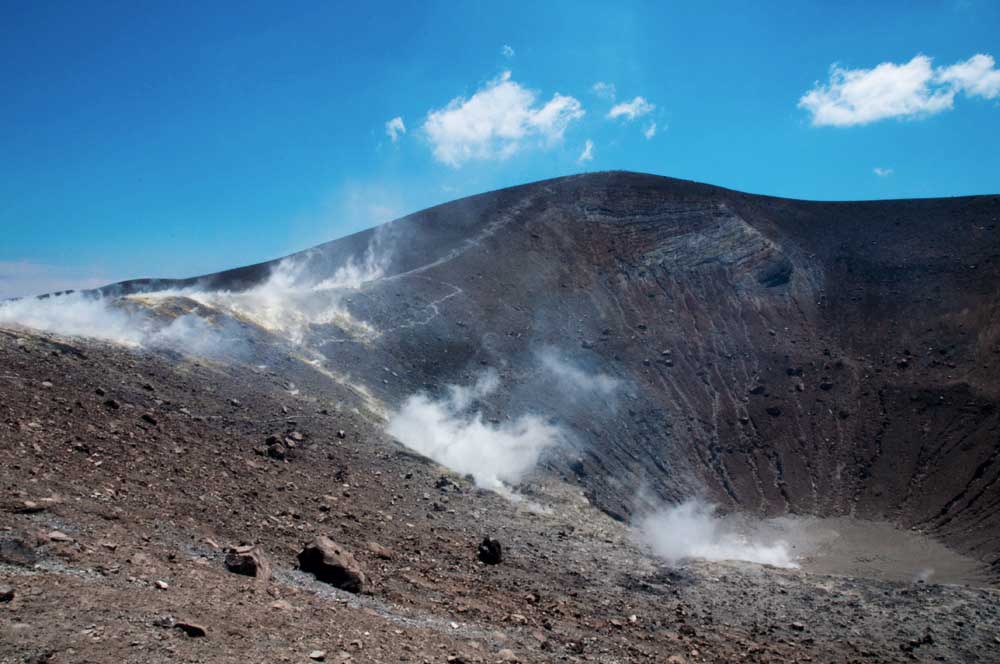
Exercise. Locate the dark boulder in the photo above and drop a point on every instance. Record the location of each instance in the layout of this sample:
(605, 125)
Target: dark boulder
(490, 551)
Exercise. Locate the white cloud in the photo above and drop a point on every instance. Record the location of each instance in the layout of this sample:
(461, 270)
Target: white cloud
(508, 51)
(604, 90)
(497, 122)
(977, 76)
(882, 172)
(650, 131)
(588, 152)
(914, 89)
(630, 110)
(395, 127)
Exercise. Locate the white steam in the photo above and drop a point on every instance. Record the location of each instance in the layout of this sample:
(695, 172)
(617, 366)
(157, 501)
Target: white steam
(573, 378)
(292, 300)
(83, 315)
(693, 530)
(452, 432)
(74, 315)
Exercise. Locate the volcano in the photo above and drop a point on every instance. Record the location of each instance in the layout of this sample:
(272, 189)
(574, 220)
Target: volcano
(783, 356)
(773, 357)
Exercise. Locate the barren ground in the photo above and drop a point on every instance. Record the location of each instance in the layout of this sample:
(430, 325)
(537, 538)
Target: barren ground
(136, 503)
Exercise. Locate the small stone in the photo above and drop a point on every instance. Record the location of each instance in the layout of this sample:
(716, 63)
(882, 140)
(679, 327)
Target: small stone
(162, 585)
(30, 507)
(444, 483)
(235, 403)
(112, 404)
(379, 551)
(191, 629)
(797, 626)
(149, 419)
(317, 655)
(6, 594)
(57, 536)
(46, 384)
(341, 434)
(506, 655)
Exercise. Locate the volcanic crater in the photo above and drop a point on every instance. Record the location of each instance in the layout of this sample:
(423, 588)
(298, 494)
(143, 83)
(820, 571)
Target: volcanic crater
(837, 363)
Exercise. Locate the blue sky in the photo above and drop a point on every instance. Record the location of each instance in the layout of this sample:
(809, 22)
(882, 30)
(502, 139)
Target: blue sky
(154, 139)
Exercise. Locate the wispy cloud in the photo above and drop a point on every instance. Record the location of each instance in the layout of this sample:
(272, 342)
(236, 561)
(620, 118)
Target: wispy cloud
(507, 51)
(650, 131)
(911, 90)
(497, 122)
(604, 90)
(630, 110)
(588, 152)
(882, 172)
(395, 128)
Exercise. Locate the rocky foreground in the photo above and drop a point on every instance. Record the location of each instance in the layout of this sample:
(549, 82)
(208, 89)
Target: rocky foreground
(159, 509)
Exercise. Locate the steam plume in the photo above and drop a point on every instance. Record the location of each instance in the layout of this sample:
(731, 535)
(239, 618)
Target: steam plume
(693, 530)
(452, 433)
(293, 299)
(576, 380)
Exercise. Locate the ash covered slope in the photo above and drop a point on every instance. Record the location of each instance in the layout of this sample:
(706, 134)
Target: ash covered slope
(782, 356)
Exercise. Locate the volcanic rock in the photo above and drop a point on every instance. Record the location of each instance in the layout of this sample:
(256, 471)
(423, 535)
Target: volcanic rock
(16, 551)
(379, 551)
(193, 630)
(248, 561)
(331, 563)
(490, 551)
